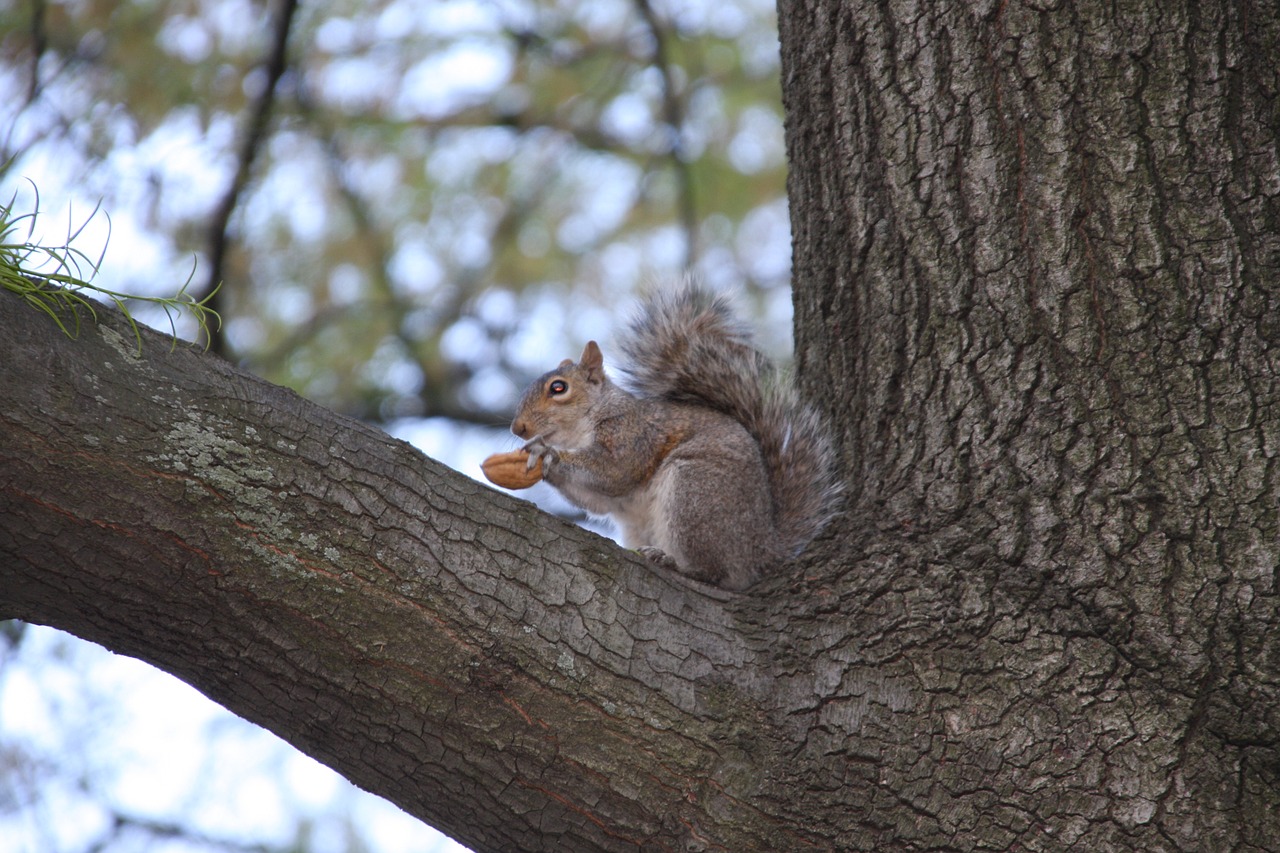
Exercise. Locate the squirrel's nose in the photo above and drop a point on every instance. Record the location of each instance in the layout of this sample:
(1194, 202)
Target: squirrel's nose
(520, 427)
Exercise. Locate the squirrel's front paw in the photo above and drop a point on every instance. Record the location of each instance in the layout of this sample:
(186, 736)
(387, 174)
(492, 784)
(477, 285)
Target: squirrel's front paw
(540, 452)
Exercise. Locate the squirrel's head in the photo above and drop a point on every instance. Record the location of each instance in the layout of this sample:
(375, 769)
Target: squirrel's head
(558, 399)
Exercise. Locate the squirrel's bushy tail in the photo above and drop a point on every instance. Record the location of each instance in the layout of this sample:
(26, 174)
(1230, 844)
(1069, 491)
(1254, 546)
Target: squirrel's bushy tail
(687, 346)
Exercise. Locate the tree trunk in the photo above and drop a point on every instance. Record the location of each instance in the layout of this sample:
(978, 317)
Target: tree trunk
(1037, 271)
(1036, 264)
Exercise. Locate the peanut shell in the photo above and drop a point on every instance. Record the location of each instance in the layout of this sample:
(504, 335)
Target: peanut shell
(511, 470)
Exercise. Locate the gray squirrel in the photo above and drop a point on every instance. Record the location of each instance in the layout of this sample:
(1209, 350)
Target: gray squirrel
(710, 464)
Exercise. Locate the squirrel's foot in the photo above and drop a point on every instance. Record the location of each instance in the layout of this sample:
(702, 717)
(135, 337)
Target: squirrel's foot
(658, 557)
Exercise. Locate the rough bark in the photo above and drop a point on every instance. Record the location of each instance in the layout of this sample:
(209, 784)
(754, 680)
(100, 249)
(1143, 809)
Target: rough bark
(1036, 259)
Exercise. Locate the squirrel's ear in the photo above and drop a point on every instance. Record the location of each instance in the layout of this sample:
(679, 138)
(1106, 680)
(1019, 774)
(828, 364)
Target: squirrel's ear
(592, 361)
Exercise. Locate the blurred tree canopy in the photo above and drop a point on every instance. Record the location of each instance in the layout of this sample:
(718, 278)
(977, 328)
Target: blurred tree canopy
(400, 196)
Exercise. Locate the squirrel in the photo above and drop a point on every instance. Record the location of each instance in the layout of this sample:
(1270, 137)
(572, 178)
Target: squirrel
(710, 465)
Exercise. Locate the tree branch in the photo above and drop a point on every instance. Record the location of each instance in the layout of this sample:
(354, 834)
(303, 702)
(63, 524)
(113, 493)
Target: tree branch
(514, 680)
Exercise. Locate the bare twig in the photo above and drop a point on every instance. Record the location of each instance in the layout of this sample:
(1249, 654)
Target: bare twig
(673, 117)
(39, 43)
(123, 825)
(259, 113)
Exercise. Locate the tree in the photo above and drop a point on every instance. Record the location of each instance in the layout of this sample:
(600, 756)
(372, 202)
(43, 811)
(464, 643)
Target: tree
(1034, 261)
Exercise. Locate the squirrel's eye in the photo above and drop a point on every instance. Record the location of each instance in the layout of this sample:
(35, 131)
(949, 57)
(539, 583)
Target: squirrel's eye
(558, 387)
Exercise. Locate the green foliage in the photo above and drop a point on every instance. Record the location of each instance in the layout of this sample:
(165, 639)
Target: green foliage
(432, 177)
(56, 279)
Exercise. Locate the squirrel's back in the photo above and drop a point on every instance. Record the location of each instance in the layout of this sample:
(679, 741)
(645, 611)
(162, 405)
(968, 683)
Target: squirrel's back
(687, 346)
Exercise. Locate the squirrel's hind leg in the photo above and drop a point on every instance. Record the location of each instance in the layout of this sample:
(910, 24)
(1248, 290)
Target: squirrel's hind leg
(658, 557)
(662, 559)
